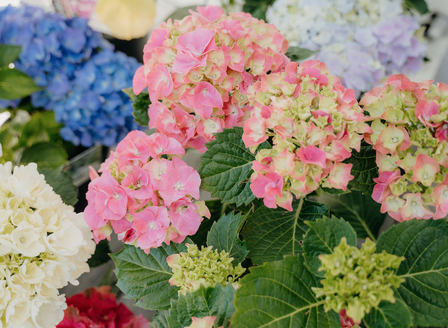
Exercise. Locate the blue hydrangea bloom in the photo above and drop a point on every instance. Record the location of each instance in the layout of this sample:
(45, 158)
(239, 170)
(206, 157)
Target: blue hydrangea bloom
(81, 75)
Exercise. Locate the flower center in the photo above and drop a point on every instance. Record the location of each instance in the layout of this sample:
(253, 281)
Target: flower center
(117, 196)
(204, 92)
(425, 175)
(152, 225)
(414, 203)
(394, 140)
(22, 240)
(177, 186)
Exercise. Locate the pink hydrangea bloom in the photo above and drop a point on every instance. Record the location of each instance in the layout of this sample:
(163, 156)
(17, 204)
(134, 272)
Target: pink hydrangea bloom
(314, 123)
(198, 70)
(145, 198)
(412, 180)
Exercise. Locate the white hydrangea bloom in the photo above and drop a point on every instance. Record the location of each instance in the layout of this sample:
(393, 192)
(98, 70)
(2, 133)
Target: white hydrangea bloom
(361, 41)
(44, 245)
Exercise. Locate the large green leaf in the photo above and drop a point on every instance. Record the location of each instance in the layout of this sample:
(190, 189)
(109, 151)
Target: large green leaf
(9, 54)
(15, 84)
(389, 315)
(322, 237)
(364, 169)
(144, 277)
(272, 233)
(424, 245)
(226, 167)
(45, 154)
(212, 301)
(162, 320)
(62, 184)
(278, 294)
(298, 54)
(419, 5)
(224, 237)
(361, 211)
(40, 128)
(216, 209)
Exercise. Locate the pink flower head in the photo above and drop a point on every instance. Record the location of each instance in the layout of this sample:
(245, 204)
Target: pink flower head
(382, 188)
(151, 225)
(340, 176)
(442, 132)
(133, 149)
(254, 132)
(201, 69)
(425, 170)
(178, 181)
(415, 208)
(440, 197)
(205, 322)
(425, 111)
(160, 144)
(185, 217)
(391, 138)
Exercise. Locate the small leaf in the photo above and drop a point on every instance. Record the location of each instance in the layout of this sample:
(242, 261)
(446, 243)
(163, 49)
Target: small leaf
(364, 169)
(15, 84)
(223, 236)
(45, 154)
(215, 207)
(322, 237)
(212, 301)
(144, 277)
(140, 103)
(298, 54)
(181, 12)
(272, 233)
(424, 245)
(389, 315)
(361, 211)
(226, 167)
(419, 5)
(101, 254)
(278, 294)
(62, 184)
(9, 54)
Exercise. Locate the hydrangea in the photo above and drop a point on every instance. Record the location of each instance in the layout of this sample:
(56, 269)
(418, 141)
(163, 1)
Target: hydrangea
(313, 123)
(200, 67)
(146, 198)
(206, 267)
(205, 322)
(81, 76)
(97, 307)
(44, 245)
(83, 8)
(410, 135)
(357, 280)
(361, 41)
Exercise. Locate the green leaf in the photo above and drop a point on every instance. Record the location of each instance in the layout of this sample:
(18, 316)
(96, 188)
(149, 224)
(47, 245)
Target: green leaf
(272, 233)
(298, 54)
(41, 127)
(226, 167)
(278, 294)
(15, 84)
(224, 237)
(182, 12)
(364, 169)
(424, 245)
(322, 237)
(361, 211)
(216, 209)
(101, 254)
(9, 54)
(419, 5)
(162, 320)
(389, 315)
(45, 154)
(62, 184)
(257, 7)
(212, 301)
(144, 277)
(140, 104)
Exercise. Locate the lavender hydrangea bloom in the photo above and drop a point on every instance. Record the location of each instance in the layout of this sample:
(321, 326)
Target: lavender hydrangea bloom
(81, 75)
(361, 42)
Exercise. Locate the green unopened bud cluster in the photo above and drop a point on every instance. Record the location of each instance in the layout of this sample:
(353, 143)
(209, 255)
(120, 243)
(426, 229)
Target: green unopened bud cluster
(203, 267)
(358, 279)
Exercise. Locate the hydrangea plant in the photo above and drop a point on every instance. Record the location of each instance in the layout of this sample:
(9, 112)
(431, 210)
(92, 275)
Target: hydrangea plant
(261, 258)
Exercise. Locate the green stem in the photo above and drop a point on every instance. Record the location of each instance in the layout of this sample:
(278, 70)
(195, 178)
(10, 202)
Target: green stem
(296, 218)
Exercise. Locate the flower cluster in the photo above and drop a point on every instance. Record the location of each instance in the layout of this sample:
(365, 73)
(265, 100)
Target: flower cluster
(361, 41)
(202, 267)
(81, 76)
(313, 122)
(44, 245)
(200, 67)
(358, 279)
(146, 198)
(410, 136)
(97, 307)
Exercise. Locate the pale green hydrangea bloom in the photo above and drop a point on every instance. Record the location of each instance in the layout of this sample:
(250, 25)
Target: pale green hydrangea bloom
(203, 267)
(358, 279)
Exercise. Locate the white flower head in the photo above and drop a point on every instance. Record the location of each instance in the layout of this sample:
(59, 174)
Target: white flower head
(44, 245)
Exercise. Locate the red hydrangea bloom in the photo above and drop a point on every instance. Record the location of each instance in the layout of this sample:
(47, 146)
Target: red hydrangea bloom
(197, 71)
(98, 308)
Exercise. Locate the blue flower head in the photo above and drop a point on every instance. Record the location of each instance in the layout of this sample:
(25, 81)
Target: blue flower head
(81, 75)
